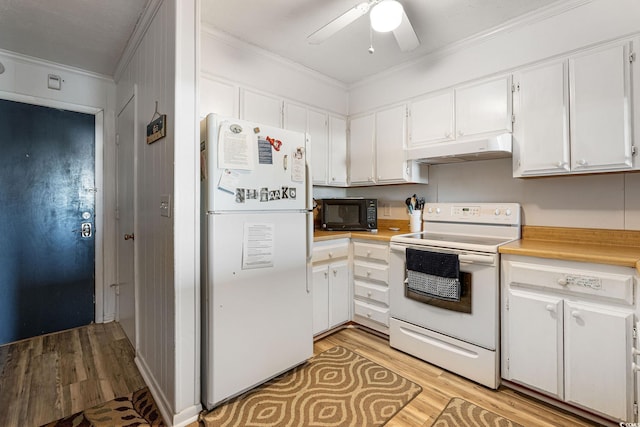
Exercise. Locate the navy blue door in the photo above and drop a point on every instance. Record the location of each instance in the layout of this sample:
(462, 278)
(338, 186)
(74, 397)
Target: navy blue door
(47, 198)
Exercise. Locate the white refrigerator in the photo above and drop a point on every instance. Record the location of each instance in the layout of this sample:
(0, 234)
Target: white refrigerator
(257, 237)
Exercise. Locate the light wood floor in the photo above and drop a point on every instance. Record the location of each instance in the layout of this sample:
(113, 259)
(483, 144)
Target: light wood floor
(439, 386)
(46, 378)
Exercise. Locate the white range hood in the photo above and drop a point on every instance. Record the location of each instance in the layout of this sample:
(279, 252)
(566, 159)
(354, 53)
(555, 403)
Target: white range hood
(492, 147)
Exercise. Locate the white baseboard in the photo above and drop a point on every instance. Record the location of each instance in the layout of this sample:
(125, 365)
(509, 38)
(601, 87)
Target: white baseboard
(181, 419)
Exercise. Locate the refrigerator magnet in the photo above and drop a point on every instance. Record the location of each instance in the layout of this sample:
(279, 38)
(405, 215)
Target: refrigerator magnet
(285, 192)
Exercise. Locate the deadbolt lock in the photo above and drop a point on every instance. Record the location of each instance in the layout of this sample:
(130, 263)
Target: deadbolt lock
(129, 237)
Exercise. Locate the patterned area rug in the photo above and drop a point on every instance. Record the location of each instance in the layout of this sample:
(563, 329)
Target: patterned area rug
(136, 410)
(459, 412)
(336, 388)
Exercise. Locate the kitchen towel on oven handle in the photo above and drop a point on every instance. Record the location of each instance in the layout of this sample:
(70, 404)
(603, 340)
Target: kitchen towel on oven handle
(433, 274)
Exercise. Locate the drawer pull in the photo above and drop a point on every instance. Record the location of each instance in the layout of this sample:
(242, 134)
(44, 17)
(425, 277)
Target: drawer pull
(562, 281)
(368, 273)
(369, 315)
(368, 253)
(550, 308)
(330, 254)
(369, 294)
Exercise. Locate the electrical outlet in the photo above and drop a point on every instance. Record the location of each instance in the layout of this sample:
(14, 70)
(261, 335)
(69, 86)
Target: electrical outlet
(386, 209)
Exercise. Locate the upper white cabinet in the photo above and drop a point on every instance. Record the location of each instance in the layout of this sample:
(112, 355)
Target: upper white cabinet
(377, 149)
(481, 108)
(328, 136)
(219, 97)
(574, 116)
(432, 118)
(361, 149)
(337, 151)
(261, 108)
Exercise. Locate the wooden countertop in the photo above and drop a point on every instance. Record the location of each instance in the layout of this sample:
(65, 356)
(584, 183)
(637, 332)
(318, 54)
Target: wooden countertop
(383, 234)
(615, 247)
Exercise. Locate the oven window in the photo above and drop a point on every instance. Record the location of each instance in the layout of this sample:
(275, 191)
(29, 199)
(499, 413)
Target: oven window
(463, 305)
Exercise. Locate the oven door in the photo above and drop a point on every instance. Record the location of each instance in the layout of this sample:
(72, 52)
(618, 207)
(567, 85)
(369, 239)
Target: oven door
(479, 271)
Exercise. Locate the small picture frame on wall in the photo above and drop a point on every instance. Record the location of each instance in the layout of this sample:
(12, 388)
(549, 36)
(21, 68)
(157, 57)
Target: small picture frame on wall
(157, 129)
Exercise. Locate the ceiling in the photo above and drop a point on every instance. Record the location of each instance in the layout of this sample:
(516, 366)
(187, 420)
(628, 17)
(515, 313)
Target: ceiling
(92, 34)
(282, 26)
(87, 34)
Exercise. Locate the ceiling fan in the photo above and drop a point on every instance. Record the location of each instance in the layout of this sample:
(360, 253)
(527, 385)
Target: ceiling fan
(385, 16)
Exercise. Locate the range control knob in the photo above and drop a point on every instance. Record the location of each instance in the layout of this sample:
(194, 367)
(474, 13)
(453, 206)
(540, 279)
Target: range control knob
(507, 212)
(497, 212)
(438, 210)
(430, 210)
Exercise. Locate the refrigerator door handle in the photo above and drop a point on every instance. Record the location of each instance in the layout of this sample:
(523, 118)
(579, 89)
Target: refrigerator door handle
(309, 176)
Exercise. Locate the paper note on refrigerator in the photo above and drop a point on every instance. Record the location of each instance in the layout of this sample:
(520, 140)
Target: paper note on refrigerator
(298, 167)
(258, 248)
(236, 150)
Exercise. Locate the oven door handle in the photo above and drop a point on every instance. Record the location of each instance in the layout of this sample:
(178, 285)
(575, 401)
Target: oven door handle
(477, 259)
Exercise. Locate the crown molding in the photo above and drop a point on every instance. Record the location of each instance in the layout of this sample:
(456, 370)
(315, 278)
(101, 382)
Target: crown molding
(256, 50)
(143, 24)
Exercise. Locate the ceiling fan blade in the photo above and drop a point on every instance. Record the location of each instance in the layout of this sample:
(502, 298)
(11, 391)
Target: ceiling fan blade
(405, 35)
(339, 23)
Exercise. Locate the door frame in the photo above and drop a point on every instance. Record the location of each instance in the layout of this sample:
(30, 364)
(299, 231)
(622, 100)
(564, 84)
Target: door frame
(131, 96)
(99, 128)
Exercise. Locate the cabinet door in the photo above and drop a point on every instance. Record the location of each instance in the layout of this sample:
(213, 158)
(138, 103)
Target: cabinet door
(320, 292)
(390, 136)
(600, 104)
(295, 117)
(338, 293)
(361, 147)
(483, 108)
(318, 129)
(598, 345)
(337, 151)
(541, 129)
(431, 119)
(534, 341)
(261, 108)
(218, 97)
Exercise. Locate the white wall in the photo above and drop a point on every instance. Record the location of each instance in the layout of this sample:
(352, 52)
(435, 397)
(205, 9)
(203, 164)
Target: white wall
(590, 201)
(251, 67)
(25, 80)
(167, 262)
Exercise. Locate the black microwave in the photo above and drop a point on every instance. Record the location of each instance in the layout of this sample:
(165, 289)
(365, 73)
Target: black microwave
(352, 214)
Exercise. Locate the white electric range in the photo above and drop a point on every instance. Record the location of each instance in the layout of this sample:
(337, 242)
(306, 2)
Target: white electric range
(460, 334)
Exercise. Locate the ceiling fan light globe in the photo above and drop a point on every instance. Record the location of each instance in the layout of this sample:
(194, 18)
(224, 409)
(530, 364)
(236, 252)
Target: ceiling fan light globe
(386, 16)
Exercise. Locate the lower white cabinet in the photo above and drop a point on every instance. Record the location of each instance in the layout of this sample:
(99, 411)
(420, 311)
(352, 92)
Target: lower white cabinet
(567, 332)
(330, 287)
(371, 284)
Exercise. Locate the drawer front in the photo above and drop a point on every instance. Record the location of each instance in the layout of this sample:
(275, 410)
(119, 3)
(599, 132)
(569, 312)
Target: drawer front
(371, 291)
(564, 277)
(330, 252)
(371, 251)
(372, 312)
(371, 271)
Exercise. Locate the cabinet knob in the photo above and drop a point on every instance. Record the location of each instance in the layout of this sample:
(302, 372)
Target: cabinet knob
(369, 315)
(369, 294)
(582, 162)
(551, 308)
(562, 281)
(326, 274)
(575, 314)
(333, 178)
(368, 273)
(368, 253)
(561, 164)
(330, 254)
(447, 134)
(460, 133)
(335, 272)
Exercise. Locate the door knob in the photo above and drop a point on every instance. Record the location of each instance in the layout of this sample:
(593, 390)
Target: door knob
(129, 237)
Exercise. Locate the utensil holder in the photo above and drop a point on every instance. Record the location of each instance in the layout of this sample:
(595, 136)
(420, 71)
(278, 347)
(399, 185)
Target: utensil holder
(415, 221)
